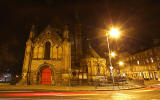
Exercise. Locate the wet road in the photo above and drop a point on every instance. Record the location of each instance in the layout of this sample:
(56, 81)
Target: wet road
(138, 94)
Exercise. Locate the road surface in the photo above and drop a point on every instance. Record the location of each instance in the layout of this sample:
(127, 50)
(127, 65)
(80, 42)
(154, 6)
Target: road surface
(137, 94)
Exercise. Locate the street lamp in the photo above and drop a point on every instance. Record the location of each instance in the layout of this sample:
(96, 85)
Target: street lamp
(114, 32)
(113, 54)
(121, 63)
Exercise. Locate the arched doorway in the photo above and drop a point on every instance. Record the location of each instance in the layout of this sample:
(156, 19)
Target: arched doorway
(46, 76)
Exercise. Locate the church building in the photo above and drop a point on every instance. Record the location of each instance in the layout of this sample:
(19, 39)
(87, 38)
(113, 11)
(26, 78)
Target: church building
(56, 57)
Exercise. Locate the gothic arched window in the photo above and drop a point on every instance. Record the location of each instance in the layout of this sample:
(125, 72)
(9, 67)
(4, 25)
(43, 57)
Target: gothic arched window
(47, 50)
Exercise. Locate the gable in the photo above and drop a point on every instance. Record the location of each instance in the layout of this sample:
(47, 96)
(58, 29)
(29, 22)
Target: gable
(49, 34)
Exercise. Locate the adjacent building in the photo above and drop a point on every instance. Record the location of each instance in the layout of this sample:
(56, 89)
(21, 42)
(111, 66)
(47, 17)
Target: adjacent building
(143, 65)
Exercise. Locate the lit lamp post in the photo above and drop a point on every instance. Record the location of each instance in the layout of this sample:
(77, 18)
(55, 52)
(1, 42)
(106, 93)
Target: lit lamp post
(115, 34)
(113, 54)
(121, 63)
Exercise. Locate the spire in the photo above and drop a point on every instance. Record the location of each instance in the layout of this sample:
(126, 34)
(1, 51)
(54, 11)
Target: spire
(32, 32)
(78, 39)
(66, 32)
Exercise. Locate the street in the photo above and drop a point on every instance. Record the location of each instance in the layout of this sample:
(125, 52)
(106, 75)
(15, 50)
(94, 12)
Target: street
(136, 94)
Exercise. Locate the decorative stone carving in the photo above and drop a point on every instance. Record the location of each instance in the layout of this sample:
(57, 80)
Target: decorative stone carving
(35, 61)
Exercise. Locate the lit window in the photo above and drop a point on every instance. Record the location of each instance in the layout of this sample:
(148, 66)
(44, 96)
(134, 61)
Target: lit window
(147, 60)
(138, 62)
(84, 75)
(80, 76)
(151, 60)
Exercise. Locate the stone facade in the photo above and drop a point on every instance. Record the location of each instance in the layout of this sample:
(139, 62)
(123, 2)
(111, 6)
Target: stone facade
(48, 59)
(58, 59)
(96, 69)
(92, 68)
(143, 65)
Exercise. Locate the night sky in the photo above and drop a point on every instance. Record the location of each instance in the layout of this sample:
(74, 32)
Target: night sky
(138, 20)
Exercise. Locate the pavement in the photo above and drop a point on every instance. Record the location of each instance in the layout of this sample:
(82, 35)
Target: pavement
(110, 87)
(151, 83)
(62, 88)
(69, 88)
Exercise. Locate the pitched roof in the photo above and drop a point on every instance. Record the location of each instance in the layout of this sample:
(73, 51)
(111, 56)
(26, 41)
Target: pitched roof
(91, 52)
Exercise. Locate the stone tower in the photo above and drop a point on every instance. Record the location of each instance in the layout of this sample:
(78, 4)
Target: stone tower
(77, 46)
(78, 43)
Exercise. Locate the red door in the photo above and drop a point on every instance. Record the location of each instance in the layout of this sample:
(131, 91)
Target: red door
(46, 76)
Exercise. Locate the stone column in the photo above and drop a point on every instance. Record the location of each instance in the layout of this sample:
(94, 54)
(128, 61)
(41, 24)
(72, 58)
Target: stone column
(66, 61)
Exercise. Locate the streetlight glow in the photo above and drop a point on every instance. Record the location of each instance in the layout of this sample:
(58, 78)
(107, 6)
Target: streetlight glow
(114, 32)
(113, 54)
(121, 63)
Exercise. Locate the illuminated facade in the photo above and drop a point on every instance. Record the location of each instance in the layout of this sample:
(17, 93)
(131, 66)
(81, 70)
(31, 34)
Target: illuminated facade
(93, 67)
(143, 65)
(55, 57)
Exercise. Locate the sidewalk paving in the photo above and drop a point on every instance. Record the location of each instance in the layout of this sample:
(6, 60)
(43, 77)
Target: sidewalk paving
(151, 83)
(69, 88)
(129, 86)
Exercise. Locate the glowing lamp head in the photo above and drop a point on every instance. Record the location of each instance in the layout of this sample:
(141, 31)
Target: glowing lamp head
(114, 32)
(121, 63)
(113, 54)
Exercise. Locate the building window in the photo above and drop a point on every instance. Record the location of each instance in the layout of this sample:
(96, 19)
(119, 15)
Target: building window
(47, 50)
(80, 76)
(151, 60)
(147, 60)
(84, 75)
(138, 62)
